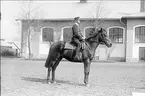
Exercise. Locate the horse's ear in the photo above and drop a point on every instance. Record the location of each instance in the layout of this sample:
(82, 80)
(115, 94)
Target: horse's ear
(102, 30)
(93, 29)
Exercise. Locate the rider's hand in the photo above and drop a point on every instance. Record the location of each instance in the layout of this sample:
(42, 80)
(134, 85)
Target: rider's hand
(83, 37)
(83, 40)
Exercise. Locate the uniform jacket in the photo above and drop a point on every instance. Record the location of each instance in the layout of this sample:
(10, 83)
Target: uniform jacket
(76, 32)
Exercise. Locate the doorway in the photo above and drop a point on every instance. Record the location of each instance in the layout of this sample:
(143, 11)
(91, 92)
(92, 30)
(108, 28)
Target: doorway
(142, 53)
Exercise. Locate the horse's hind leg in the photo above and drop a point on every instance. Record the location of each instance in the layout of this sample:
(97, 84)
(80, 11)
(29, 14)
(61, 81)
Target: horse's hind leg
(54, 68)
(48, 75)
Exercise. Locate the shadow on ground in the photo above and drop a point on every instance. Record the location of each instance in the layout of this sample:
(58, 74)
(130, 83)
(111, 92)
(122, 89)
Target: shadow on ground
(44, 81)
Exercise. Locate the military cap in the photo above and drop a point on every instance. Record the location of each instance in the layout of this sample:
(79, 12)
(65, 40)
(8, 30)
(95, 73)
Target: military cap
(76, 18)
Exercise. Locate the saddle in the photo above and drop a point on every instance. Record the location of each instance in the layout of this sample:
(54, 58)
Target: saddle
(71, 45)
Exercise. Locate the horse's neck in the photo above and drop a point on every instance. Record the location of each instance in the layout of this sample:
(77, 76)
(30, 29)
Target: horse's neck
(93, 45)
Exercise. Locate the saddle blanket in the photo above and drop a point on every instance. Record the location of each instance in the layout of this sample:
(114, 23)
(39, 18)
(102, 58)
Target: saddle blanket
(69, 46)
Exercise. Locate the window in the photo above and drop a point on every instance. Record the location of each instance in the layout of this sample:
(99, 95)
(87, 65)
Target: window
(140, 34)
(88, 32)
(67, 34)
(116, 35)
(47, 34)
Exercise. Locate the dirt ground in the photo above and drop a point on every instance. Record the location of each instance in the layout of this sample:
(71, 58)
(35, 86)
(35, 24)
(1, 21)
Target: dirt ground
(28, 78)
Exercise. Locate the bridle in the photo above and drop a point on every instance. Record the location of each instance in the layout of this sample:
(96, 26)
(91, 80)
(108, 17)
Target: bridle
(96, 41)
(87, 39)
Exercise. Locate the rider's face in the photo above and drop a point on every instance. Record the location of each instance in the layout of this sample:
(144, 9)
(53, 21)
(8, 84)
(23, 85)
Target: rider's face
(99, 29)
(78, 21)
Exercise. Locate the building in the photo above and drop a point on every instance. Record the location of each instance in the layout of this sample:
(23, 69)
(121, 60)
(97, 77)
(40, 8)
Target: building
(127, 33)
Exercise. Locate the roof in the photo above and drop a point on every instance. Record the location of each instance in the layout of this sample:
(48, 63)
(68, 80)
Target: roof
(132, 16)
(63, 10)
(66, 10)
(135, 15)
(7, 44)
(71, 19)
(4, 43)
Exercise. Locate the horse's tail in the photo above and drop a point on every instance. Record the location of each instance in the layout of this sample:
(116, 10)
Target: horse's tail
(48, 60)
(55, 51)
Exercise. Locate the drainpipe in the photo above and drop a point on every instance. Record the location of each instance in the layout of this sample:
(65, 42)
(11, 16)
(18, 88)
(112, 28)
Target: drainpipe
(125, 35)
(121, 21)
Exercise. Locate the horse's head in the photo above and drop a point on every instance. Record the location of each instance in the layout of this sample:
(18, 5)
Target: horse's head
(100, 36)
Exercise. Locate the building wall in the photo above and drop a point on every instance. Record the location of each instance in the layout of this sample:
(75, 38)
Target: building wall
(118, 49)
(34, 40)
(132, 49)
(142, 7)
(40, 49)
(43, 46)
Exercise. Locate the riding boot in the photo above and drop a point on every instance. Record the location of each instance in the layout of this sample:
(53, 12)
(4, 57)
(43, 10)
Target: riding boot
(76, 53)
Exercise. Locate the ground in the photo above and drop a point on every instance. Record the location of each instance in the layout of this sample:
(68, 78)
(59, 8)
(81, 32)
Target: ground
(28, 78)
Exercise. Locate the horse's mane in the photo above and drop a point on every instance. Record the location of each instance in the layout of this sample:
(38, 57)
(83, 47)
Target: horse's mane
(95, 33)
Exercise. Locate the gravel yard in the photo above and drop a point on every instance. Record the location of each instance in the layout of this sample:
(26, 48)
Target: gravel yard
(28, 78)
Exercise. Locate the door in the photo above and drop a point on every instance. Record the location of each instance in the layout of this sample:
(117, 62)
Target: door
(142, 53)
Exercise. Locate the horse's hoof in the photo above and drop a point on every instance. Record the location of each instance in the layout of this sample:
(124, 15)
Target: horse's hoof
(54, 82)
(87, 85)
(49, 82)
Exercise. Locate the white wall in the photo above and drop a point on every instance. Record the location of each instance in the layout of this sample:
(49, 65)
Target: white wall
(43, 46)
(136, 50)
(132, 50)
(136, 45)
(117, 49)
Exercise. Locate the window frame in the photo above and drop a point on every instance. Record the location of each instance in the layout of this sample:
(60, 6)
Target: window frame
(87, 28)
(41, 36)
(108, 29)
(134, 35)
(62, 32)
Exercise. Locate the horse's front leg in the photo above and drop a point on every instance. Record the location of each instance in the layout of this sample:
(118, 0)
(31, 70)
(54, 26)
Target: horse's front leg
(48, 75)
(86, 71)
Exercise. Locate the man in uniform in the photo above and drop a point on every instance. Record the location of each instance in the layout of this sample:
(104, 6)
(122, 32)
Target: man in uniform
(77, 36)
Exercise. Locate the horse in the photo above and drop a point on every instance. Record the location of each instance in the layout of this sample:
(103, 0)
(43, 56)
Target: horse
(58, 51)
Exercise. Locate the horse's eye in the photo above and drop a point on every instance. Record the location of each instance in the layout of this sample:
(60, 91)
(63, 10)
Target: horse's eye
(105, 35)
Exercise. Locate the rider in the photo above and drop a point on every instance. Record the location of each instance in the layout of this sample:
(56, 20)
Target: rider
(77, 37)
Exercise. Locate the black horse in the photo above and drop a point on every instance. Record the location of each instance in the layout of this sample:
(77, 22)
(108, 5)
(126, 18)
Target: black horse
(58, 51)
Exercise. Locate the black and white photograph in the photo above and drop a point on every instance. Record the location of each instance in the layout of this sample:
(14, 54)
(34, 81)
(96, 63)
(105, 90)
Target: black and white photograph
(72, 47)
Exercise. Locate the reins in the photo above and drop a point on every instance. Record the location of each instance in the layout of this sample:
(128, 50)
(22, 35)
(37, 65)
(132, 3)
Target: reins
(87, 39)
